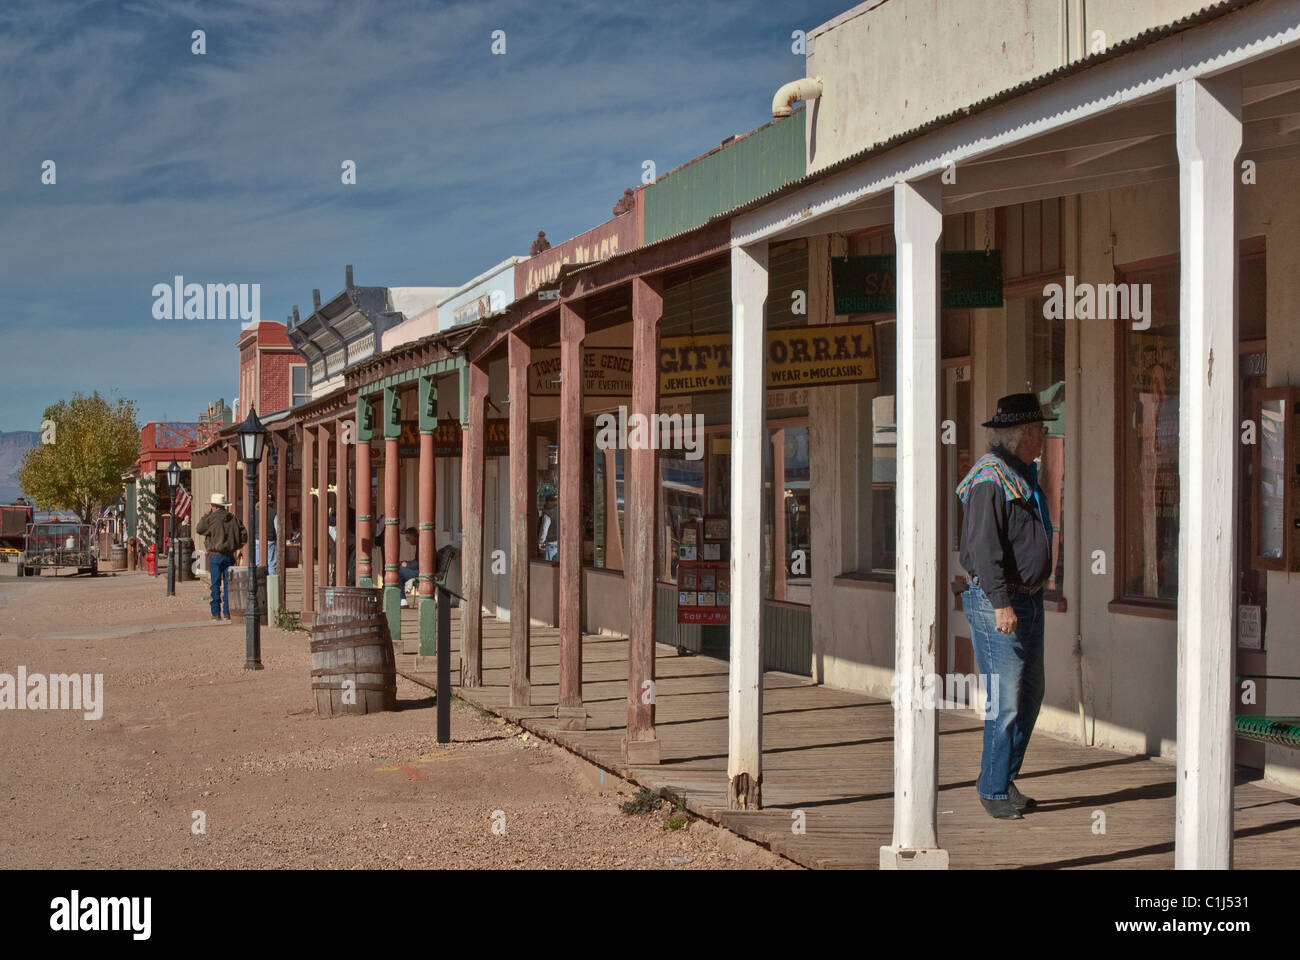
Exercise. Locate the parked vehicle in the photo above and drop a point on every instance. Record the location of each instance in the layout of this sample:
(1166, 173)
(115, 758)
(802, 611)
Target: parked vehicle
(56, 546)
(14, 519)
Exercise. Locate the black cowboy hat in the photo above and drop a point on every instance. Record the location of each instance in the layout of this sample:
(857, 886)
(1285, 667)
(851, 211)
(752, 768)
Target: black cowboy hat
(1017, 408)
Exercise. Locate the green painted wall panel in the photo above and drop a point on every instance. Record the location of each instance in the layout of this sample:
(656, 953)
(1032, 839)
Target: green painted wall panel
(766, 159)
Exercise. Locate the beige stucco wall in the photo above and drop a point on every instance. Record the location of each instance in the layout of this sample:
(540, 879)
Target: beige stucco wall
(888, 67)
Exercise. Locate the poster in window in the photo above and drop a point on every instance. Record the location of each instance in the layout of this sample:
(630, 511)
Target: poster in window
(717, 528)
(1272, 478)
(1152, 361)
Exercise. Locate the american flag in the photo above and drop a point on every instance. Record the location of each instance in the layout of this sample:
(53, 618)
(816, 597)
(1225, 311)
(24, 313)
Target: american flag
(181, 501)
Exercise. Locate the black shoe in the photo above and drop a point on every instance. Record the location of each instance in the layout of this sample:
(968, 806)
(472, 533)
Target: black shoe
(1001, 809)
(1019, 799)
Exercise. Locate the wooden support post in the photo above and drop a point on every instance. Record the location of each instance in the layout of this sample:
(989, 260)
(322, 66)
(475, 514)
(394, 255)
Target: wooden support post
(365, 518)
(573, 331)
(918, 225)
(341, 525)
(281, 516)
(471, 614)
(260, 554)
(428, 402)
(641, 746)
(1209, 139)
(323, 505)
(232, 475)
(748, 421)
(308, 520)
(392, 512)
(523, 523)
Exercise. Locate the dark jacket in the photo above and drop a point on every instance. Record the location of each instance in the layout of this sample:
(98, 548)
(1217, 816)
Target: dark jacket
(222, 531)
(1006, 537)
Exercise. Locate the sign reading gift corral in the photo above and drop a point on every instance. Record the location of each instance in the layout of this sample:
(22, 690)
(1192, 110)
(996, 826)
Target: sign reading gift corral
(868, 284)
(816, 356)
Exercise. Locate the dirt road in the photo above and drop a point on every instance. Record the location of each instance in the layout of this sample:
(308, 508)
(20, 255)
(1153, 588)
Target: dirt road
(198, 763)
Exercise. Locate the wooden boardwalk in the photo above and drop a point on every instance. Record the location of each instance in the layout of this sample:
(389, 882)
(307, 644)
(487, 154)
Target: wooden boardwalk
(829, 754)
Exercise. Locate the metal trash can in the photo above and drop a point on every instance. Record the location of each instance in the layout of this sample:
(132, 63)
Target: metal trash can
(185, 560)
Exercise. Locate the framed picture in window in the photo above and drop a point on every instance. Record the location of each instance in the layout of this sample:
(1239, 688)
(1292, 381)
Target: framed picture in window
(717, 529)
(1275, 480)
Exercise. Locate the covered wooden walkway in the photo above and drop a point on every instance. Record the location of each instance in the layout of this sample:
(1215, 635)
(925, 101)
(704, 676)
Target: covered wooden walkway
(829, 755)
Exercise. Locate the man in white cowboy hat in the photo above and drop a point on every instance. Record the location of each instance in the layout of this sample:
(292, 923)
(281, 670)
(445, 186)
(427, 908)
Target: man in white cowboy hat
(224, 536)
(1006, 545)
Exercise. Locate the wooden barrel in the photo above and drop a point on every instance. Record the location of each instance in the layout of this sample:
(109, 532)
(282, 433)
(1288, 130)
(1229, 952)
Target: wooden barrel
(239, 593)
(118, 555)
(350, 642)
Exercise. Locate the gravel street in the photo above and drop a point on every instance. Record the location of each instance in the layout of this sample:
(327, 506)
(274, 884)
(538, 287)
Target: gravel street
(189, 739)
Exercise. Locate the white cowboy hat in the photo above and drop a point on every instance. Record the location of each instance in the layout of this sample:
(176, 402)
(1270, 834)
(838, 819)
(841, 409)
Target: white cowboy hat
(219, 499)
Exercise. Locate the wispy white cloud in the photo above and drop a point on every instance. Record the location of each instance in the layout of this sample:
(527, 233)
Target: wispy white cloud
(226, 167)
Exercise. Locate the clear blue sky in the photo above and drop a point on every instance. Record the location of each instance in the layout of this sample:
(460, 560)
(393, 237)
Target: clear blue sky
(225, 168)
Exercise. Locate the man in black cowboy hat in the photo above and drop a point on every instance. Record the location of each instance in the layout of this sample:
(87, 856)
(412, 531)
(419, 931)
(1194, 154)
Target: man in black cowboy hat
(1006, 545)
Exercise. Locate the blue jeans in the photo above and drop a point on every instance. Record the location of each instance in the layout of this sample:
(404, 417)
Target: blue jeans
(405, 574)
(219, 567)
(1013, 661)
(270, 554)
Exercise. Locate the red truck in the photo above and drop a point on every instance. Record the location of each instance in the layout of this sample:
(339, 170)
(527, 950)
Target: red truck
(14, 519)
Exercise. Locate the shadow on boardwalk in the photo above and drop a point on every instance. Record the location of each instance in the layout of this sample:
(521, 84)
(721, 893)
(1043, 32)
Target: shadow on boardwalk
(829, 755)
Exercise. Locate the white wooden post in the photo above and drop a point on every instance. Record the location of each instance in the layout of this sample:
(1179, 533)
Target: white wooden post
(1209, 138)
(918, 223)
(745, 696)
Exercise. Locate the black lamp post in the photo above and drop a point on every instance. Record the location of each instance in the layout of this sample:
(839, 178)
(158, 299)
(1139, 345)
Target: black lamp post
(121, 516)
(252, 438)
(173, 479)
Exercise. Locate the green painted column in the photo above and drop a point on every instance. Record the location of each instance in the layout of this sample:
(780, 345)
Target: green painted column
(428, 405)
(392, 537)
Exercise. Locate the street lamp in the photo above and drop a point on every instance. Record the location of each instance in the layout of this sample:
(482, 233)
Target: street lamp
(173, 479)
(252, 438)
(121, 516)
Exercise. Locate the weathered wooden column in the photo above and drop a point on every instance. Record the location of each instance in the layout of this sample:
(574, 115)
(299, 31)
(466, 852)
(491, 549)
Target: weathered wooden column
(392, 512)
(323, 505)
(232, 474)
(471, 614)
(428, 403)
(641, 745)
(748, 420)
(522, 524)
(573, 331)
(1209, 139)
(918, 224)
(261, 556)
(308, 520)
(463, 384)
(365, 519)
(282, 520)
(341, 527)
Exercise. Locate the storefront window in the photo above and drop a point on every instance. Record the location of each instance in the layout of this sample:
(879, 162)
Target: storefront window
(1044, 364)
(1148, 478)
(546, 460)
(787, 520)
(884, 445)
(607, 508)
(681, 510)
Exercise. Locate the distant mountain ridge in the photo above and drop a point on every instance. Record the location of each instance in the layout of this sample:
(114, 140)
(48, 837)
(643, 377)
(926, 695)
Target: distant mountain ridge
(13, 445)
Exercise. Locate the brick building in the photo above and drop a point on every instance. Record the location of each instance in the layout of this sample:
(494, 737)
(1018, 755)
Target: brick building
(272, 375)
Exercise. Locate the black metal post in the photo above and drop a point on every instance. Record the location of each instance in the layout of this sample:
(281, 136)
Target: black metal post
(444, 665)
(171, 556)
(252, 622)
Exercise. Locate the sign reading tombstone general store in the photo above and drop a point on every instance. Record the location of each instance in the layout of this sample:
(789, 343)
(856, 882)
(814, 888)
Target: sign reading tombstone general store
(605, 373)
(868, 284)
(817, 356)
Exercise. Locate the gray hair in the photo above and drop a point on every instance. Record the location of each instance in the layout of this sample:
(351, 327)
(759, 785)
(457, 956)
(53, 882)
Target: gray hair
(1008, 438)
